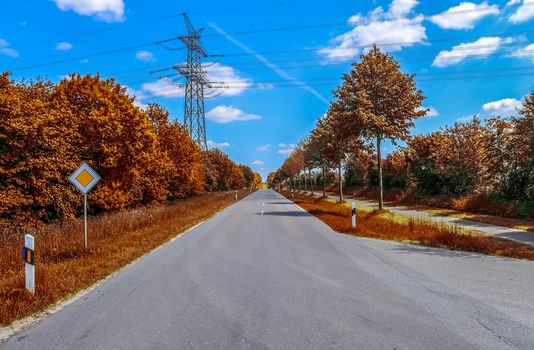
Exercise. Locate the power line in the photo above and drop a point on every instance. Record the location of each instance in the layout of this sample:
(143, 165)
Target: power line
(160, 18)
(146, 44)
(418, 74)
(318, 83)
(81, 57)
(345, 57)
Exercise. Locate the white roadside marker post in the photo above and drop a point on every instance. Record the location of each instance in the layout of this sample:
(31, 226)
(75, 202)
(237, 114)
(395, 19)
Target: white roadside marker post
(28, 254)
(235, 194)
(84, 179)
(353, 214)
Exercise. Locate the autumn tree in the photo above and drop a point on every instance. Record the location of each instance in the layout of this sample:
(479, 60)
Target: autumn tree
(248, 175)
(117, 139)
(318, 148)
(187, 173)
(450, 161)
(222, 174)
(337, 145)
(257, 181)
(35, 153)
(523, 139)
(382, 101)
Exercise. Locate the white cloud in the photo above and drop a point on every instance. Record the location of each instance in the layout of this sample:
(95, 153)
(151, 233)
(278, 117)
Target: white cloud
(391, 29)
(258, 162)
(285, 148)
(163, 88)
(105, 10)
(226, 114)
(503, 108)
(263, 148)
(144, 55)
(481, 48)
(63, 46)
(464, 15)
(138, 96)
(217, 73)
(400, 8)
(527, 51)
(523, 12)
(466, 119)
(213, 144)
(7, 50)
(432, 112)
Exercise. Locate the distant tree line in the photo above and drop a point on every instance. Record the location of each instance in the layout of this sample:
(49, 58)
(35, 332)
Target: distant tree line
(47, 130)
(376, 101)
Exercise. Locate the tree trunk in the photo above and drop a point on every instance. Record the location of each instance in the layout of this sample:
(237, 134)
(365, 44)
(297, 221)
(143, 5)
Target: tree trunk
(380, 185)
(324, 184)
(311, 181)
(340, 184)
(305, 187)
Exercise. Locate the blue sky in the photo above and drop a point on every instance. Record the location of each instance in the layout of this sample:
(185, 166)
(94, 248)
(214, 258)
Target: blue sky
(282, 58)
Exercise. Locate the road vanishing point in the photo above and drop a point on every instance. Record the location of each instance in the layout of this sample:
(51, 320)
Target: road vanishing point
(264, 274)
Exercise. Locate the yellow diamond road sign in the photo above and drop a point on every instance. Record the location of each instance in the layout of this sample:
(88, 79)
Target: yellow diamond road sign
(84, 178)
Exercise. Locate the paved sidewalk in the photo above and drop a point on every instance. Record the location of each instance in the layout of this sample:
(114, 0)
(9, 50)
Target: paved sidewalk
(520, 236)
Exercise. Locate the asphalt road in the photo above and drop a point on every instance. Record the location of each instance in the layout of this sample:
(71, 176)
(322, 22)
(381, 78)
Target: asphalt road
(284, 280)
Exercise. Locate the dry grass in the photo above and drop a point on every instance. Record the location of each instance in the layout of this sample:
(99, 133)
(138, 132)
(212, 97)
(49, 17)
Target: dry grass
(391, 226)
(488, 219)
(475, 208)
(64, 267)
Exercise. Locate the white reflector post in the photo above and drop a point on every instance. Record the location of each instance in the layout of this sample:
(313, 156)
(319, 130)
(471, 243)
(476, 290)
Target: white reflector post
(30, 268)
(353, 214)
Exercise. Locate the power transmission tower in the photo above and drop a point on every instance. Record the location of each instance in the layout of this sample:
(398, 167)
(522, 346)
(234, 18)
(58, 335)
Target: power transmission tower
(196, 80)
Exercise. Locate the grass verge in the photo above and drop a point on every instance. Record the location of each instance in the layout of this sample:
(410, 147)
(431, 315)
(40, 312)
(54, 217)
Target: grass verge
(63, 267)
(396, 227)
(438, 208)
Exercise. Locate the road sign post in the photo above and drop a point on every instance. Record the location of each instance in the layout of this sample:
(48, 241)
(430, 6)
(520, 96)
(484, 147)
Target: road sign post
(353, 211)
(84, 179)
(28, 254)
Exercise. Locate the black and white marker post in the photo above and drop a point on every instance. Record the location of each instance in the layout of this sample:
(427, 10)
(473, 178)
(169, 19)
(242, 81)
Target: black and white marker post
(353, 214)
(28, 254)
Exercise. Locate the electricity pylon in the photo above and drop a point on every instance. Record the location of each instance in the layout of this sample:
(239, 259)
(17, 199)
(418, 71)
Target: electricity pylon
(196, 80)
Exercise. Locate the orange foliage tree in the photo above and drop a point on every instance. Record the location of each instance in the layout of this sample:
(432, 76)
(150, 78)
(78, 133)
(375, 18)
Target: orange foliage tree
(117, 139)
(47, 130)
(222, 173)
(187, 174)
(35, 153)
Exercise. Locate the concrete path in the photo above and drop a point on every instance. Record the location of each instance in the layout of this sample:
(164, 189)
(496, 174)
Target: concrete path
(520, 236)
(264, 274)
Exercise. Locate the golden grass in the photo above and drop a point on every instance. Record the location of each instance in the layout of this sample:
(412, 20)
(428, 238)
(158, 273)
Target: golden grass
(62, 265)
(487, 219)
(439, 206)
(396, 227)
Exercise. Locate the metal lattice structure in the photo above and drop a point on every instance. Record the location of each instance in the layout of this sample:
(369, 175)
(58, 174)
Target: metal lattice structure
(196, 81)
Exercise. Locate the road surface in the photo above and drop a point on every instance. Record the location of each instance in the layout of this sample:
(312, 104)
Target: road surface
(513, 234)
(263, 274)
